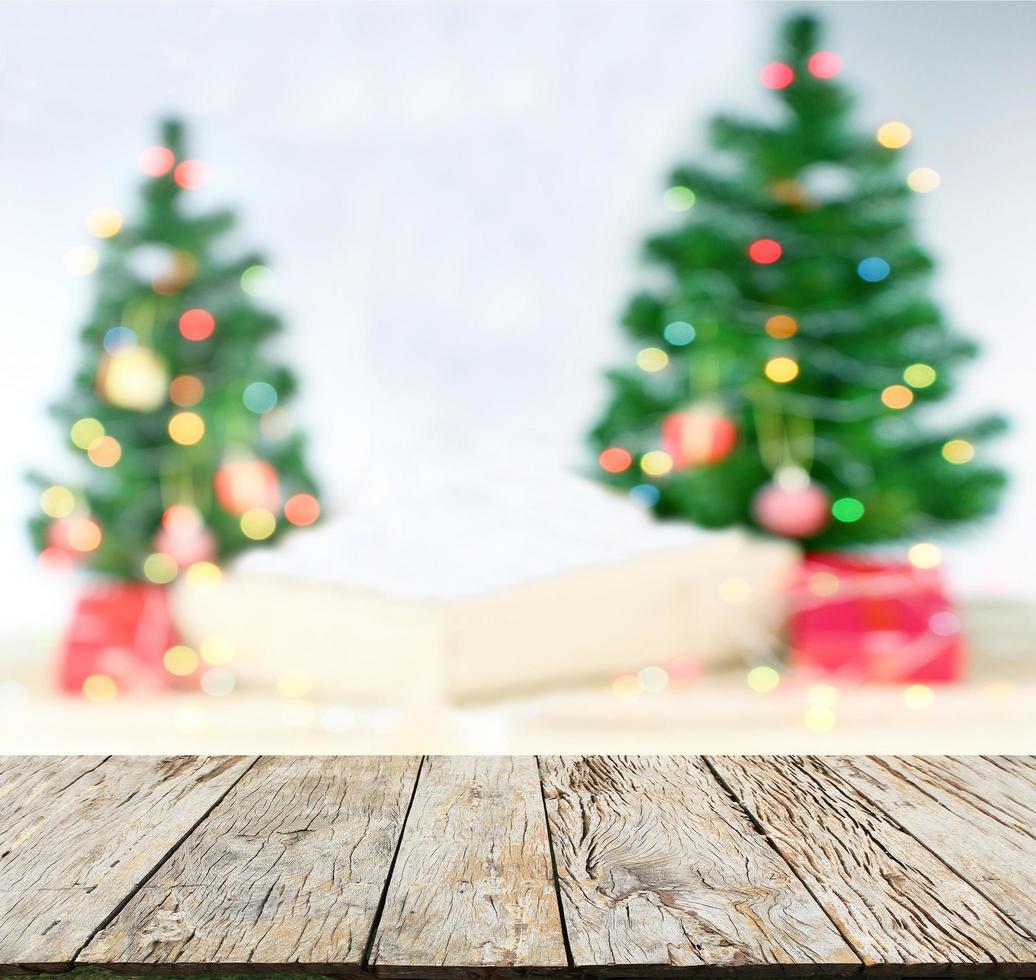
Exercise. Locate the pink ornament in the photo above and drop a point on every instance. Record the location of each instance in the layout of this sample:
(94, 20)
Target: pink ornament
(698, 437)
(242, 484)
(792, 505)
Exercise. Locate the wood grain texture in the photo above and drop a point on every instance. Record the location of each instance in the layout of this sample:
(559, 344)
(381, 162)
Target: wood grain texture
(287, 871)
(978, 815)
(473, 890)
(899, 906)
(660, 871)
(77, 837)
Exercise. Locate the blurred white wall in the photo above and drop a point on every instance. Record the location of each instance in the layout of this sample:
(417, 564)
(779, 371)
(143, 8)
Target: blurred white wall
(453, 197)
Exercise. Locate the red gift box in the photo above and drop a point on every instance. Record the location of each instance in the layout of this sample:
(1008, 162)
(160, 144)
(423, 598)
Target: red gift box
(870, 620)
(122, 630)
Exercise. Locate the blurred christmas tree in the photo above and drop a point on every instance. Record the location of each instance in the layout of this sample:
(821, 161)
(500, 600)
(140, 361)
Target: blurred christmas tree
(784, 363)
(177, 412)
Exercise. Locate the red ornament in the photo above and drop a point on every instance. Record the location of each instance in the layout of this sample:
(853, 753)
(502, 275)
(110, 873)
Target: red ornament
(191, 174)
(197, 324)
(242, 484)
(765, 251)
(792, 505)
(615, 459)
(120, 630)
(824, 64)
(301, 509)
(698, 437)
(865, 620)
(777, 75)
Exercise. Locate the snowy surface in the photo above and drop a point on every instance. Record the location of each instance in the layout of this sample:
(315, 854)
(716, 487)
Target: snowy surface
(454, 532)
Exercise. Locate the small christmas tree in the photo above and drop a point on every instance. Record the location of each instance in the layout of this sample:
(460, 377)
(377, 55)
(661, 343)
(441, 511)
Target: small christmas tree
(187, 454)
(784, 363)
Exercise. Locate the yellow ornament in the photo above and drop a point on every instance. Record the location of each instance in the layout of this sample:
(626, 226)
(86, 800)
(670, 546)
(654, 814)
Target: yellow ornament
(133, 378)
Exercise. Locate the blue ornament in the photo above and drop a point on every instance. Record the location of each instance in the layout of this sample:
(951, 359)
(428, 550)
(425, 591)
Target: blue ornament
(259, 397)
(645, 495)
(679, 333)
(119, 338)
(873, 269)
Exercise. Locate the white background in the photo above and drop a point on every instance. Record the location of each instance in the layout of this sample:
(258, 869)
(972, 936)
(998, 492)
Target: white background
(453, 198)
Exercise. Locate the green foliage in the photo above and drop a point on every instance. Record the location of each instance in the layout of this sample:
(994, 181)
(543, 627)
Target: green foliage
(196, 269)
(831, 197)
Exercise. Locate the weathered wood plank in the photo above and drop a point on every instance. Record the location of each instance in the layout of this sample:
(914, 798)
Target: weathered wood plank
(473, 890)
(899, 906)
(975, 815)
(287, 872)
(78, 836)
(660, 871)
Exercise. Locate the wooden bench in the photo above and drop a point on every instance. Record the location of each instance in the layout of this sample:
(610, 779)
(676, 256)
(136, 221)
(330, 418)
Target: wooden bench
(504, 866)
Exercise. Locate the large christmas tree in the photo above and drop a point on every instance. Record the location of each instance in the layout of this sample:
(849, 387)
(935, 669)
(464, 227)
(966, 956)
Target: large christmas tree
(186, 452)
(785, 363)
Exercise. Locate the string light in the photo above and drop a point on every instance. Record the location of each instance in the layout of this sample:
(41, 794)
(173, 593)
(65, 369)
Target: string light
(958, 451)
(924, 554)
(156, 160)
(679, 333)
(84, 535)
(776, 75)
(216, 650)
(57, 502)
(160, 568)
(104, 452)
(652, 359)
(894, 135)
(80, 260)
(180, 660)
(678, 199)
(260, 397)
(848, 510)
(656, 462)
(765, 251)
(615, 459)
(84, 432)
(118, 339)
(257, 280)
(919, 375)
(104, 222)
(186, 428)
(781, 369)
(781, 326)
(923, 180)
(824, 64)
(897, 396)
(186, 390)
(873, 269)
(258, 523)
(763, 679)
(301, 509)
(100, 688)
(197, 324)
(191, 174)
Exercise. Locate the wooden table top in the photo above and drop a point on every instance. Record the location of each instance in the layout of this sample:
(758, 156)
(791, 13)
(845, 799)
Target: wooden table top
(511, 865)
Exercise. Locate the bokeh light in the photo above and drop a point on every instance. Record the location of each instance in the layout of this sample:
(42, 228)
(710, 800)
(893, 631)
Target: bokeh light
(678, 199)
(185, 390)
(260, 397)
(80, 260)
(218, 682)
(57, 501)
(615, 459)
(84, 432)
(197, 324)
(645, 495)
(100, 688)
(763, 679)
(819, 718)
(160, 568)
(679, 333)
(257, 280)
(156, 160)
(180, 660)
(823, 584)
(181, 519)
(918, 697)
(656, 462)
(119, 339)
(191, 174)
(919, 375)
(781, 326)
(923, 180)
(958, 451)
(873, 269)
(216, 651)
(104, 222)
(897, 396)
(824, 64)
(653, 680)
(258, 523)
(104, 451)
(776, 75)
(186, 428)
(84, 534)
(203, 575)
(652, 359)
(782, 369)
(848, 510)
(924, 554)
(893, 135)
(765, 251)
(627, 687)
(823, 695)
(301, 509)
(294, 684)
